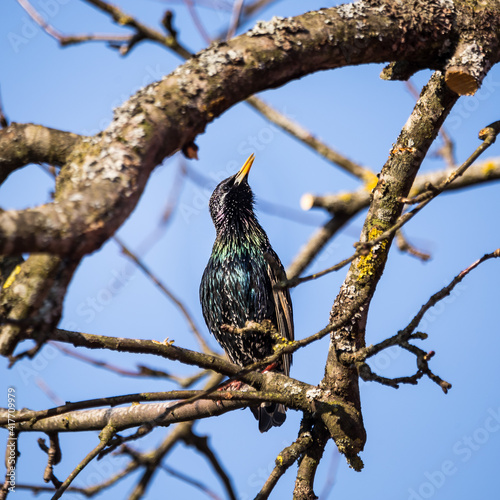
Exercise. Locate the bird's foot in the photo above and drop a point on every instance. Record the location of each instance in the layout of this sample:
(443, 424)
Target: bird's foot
(234, 385)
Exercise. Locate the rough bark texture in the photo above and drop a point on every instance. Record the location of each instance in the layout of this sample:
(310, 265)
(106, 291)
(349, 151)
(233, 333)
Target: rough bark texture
(102, 178)
(395, 181)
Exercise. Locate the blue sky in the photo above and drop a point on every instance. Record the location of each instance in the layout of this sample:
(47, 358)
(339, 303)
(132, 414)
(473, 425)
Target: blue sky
(421, 443)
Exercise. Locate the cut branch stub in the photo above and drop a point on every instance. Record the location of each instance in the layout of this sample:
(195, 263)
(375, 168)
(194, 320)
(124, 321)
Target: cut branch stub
(466, 69)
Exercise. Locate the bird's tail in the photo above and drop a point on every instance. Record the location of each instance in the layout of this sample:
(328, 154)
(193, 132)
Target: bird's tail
(269, 415)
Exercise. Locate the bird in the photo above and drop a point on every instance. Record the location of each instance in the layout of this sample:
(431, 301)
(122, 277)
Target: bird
(237, 285)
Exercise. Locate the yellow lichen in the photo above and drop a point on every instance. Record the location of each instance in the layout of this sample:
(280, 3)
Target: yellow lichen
(366, 263)
(12, 277)
(488, 167)
(370, 181)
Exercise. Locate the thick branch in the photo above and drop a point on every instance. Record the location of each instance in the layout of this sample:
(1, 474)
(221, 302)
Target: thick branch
(31, 300)
(395, 180)
(21, 144)
(165, 116)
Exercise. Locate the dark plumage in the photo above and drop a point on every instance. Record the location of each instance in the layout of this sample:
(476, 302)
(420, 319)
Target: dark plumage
(237, 285)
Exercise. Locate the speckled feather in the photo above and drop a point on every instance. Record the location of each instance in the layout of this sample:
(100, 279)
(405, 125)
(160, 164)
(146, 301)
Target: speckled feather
(237, 285)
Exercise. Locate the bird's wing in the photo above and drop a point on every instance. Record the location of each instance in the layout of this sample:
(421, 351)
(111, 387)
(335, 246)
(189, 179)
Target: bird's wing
(282, 303)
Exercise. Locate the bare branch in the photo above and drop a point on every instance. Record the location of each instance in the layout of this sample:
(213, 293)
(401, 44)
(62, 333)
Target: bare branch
(142, 371)
(297, 131)
(182, 308)
(488, 135)
(40, 144)
(405, 246)
(65, 40)
(309, 461)
(200, 443)
(152, 460)
(197, 21)
(104, 436)
(54, 456)
(143, 32)
(235, 18)
(190, 480)
(444, 292)
(403, 336)
(284, 461)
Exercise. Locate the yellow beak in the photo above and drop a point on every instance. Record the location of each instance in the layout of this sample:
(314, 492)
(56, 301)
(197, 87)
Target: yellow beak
(244, 171)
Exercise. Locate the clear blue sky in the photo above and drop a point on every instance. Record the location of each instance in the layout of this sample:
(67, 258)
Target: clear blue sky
(421, 443)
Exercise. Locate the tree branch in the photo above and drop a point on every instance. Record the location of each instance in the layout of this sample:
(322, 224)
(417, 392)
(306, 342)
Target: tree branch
(297, 131)
(28, 143)
(284, 461)
(167, 115)
(104, 437)
(395, 179)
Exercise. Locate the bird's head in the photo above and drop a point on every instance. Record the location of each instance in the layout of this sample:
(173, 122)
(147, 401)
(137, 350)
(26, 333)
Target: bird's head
(232, 200)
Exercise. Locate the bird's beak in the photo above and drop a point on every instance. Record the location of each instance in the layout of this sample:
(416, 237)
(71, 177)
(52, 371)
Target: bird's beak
(244, 171)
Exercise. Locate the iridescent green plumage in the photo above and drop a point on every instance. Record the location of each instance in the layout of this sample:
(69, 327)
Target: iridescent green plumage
(237, 285)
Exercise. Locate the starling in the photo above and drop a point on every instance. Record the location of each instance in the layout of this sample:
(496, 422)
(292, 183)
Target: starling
(237, 285)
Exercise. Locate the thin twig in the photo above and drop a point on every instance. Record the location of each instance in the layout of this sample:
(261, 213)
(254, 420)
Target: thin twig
(287, 457)
(142, 371)
(444, 292)
(104, 436)
(403, 336)
(200, 443)
(151, 461)
(40, 382)
(197, 21)
(249, 10)
(487, 135)
(235, 18)
(307, 138)
(331, 475)
(166, 291)
(40, 488)
(54, 456)
(146, 32)
(405, 246)
(190, 480)
(70, 39)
